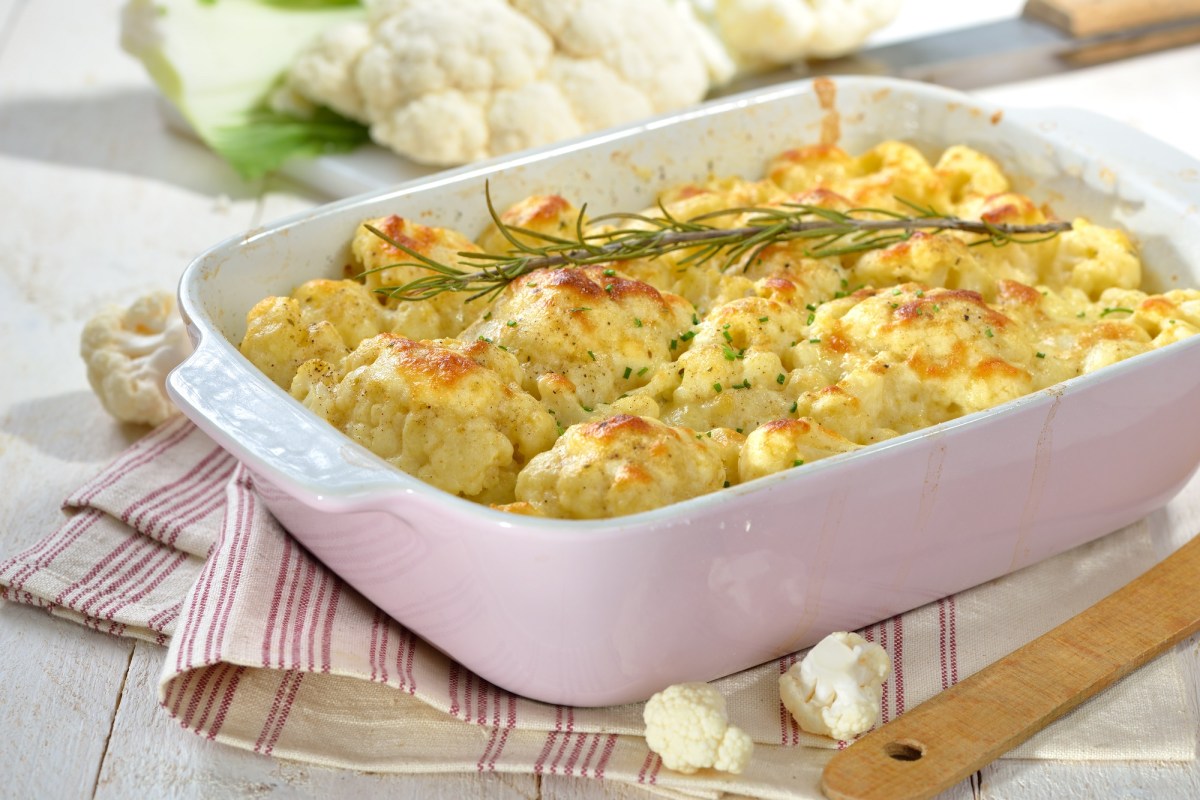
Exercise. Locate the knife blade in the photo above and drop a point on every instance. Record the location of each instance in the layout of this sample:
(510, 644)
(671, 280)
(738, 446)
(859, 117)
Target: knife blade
(1049, 36)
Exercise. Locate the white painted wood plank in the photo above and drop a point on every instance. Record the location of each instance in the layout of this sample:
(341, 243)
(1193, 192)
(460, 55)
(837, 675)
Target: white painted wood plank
(60, 688)
(149, 755)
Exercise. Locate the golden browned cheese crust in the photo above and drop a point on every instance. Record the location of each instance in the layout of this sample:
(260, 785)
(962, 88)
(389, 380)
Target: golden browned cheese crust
(617, 388)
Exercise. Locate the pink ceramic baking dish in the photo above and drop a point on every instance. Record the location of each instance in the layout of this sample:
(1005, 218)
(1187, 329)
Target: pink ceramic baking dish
(602, 612)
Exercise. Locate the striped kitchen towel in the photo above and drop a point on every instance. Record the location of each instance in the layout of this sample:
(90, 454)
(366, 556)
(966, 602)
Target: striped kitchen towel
(269, 651)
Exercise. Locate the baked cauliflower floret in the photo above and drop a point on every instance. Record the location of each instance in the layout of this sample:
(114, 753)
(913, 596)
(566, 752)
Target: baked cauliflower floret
(875, 179)
(891, 172)
(688, 726)
(547, 215)
(129, 352)
(818, 166)
(601, 332)
(751, 323)
(280, 336)
(966, 172)
(923, 258)
(383, 265)
(1093, 259)
(347, 305)
(1023, 262)
(785, 443)
(713, 390)
(434, 411)
(837, 689)
(968, 355)
(618, 466)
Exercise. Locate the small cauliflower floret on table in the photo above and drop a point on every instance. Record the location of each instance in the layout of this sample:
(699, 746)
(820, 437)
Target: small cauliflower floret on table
(129, 352)
(584, 336)
(688, 726)
(785, 443)
(384, 265)
(837, 689)
(620, 465)
(436, 411)
(548, 215)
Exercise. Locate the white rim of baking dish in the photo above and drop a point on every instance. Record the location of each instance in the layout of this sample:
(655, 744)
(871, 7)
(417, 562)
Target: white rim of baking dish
(372, 483)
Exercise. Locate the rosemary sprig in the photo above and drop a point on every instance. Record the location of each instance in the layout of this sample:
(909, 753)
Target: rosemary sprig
(831, 233)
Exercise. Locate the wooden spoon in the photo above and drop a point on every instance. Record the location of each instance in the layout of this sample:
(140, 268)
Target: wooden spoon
(955, 733)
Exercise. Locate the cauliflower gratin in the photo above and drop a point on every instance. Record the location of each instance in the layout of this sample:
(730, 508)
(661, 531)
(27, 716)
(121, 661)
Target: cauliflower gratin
(598, 391)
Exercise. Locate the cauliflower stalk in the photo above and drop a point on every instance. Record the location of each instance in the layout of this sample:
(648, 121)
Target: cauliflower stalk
(129, 352)
(688, 727)
(837, 689)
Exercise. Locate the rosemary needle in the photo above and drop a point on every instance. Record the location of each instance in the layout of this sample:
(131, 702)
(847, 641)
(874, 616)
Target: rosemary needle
(829, 232)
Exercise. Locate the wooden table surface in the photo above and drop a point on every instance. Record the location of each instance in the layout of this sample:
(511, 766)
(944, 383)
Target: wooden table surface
(98, 204)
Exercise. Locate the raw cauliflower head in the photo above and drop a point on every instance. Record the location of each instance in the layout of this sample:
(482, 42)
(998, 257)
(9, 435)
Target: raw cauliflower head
(688, 726)
(620, 465)
(836, 690)
(451, 82)
(600, 332)
(438, 411)
(129, 352)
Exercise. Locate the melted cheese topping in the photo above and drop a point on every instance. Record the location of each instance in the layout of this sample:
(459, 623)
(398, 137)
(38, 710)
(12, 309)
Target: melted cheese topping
(609, 390)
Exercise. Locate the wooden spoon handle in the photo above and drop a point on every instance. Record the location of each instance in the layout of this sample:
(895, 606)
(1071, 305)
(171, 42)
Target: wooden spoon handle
(955, 733)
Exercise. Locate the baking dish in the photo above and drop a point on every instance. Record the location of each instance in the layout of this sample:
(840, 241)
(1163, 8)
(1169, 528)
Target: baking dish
(609, 611)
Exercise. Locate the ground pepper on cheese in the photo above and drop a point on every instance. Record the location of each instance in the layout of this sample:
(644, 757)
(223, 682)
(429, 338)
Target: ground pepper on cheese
(600, 391)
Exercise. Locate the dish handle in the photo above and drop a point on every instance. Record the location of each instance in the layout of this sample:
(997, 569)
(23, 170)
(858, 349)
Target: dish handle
(282, 441)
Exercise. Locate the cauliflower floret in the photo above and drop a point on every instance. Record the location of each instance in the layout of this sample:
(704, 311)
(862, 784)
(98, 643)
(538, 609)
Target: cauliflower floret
(762, 33)
(837, 689)
(384, 265)
(688, 726)
(966, 172)
(433, 410)
(322, 319)
(600, 331)
(926, 259)
(548, 215)
(785, 443)
(1093, 259)
(326, 69)
(620, 465)
(129, 352)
